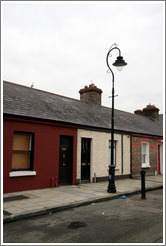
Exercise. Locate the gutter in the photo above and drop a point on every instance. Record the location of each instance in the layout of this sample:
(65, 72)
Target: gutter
(80, 126)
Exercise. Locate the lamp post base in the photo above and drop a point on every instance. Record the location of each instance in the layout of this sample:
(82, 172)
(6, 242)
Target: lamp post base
(111, 186)
(111, 189)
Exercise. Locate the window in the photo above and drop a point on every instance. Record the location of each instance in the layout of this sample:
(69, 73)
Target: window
(64, 141)
(22, 156)
(114, 146)
(145, 154)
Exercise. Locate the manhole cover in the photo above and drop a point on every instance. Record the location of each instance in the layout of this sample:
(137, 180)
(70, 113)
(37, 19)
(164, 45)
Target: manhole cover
(77, 224)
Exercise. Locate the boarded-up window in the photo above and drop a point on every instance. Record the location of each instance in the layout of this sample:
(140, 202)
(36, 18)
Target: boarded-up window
(22, 156)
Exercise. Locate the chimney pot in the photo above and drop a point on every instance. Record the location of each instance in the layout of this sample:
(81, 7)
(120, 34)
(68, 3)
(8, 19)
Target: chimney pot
(150, 111)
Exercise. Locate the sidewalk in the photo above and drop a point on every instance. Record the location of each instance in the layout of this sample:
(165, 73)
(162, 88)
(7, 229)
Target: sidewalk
(26, 204)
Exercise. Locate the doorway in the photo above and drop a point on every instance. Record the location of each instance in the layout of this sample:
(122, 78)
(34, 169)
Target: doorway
(85, 159)
(65, 160)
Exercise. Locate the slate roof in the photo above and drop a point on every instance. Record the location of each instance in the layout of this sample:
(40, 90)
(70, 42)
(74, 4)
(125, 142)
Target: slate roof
(24, 101)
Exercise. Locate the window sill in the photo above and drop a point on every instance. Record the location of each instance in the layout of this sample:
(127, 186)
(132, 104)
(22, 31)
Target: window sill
(22, 173)
(145, 166)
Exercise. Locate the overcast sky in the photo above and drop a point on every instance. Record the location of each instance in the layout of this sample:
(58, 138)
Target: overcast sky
(62, 46)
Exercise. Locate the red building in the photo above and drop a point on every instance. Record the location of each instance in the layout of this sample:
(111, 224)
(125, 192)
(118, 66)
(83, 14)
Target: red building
(37, 153)
(35, 163)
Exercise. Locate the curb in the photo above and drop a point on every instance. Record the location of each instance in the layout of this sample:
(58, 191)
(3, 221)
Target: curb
(11, 218)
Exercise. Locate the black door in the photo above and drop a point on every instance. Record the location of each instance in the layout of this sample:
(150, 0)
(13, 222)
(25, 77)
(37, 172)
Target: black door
(65, 160)
(85, 159)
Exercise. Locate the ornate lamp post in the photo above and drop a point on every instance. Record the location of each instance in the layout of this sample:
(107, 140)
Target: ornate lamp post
(119, 63)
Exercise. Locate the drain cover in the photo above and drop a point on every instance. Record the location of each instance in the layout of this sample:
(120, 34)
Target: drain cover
(77, 224)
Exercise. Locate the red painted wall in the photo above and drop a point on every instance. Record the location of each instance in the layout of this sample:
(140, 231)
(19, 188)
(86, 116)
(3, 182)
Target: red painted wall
(46, 153)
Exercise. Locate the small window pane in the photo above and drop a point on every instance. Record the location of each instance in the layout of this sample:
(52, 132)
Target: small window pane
(64, 141)
(20, 160)
(21, 141)
(143, 158)
(144, 148)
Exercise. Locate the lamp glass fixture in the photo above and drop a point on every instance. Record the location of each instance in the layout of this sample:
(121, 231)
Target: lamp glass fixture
(120, 68)
(119, 63)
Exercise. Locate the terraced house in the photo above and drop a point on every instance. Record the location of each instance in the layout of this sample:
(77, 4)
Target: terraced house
(51, 140)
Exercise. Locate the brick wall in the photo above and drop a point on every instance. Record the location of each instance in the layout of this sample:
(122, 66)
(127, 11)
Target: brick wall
(137, 157)
(91, 94)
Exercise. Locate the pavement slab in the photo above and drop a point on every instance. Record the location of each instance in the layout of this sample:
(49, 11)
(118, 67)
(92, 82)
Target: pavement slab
(42, 201)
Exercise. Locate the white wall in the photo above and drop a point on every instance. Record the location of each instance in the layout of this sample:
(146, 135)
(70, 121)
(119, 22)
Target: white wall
(100, 153)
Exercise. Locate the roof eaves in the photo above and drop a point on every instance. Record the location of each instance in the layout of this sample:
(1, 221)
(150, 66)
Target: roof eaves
(81, 126)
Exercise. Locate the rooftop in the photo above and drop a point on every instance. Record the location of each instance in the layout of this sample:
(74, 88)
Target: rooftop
(22, 101)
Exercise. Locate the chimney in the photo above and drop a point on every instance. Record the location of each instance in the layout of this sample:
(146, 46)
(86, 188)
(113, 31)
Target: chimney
(151, 111)
(138, 111)
(91, 94)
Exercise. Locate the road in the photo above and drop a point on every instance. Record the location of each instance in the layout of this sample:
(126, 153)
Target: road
(131, 220)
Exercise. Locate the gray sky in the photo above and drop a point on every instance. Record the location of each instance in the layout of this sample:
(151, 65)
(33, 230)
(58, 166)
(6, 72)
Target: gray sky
(62, 46)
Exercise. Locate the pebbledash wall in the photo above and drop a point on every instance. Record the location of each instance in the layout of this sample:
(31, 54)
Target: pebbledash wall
(153, 143)
(46, 154)
(100, 154)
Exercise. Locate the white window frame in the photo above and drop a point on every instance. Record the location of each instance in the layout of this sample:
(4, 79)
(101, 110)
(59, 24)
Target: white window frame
(146, 153)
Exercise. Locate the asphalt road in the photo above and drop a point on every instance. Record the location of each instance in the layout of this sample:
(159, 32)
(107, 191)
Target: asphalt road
(131, 220)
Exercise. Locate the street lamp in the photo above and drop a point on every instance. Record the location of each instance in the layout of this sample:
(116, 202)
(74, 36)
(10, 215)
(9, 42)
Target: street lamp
(119, 63)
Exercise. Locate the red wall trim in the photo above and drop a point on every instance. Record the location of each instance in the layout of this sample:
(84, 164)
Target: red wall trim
(153, 145)
(144, 139)
(135, 144)
(153, 165)
(137, 167)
